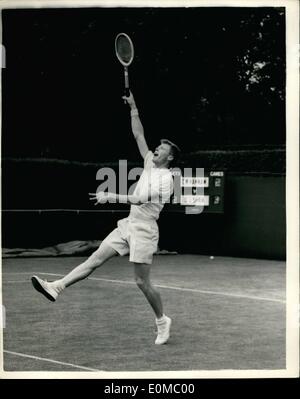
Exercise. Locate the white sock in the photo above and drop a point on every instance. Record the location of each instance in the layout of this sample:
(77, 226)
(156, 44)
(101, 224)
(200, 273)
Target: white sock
(58, 285)
(161, 319)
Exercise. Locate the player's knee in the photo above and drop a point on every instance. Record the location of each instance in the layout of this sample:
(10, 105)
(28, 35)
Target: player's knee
(141, 283)
(95, 260)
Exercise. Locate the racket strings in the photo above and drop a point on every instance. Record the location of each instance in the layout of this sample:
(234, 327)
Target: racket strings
(124, 49)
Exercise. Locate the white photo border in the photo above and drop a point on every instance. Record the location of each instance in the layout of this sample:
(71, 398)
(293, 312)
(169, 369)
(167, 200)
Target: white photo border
(292, 192)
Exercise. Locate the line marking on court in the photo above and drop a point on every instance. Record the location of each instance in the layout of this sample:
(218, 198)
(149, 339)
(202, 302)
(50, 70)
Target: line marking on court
(169, 287)
(18, 273)
(44, 359)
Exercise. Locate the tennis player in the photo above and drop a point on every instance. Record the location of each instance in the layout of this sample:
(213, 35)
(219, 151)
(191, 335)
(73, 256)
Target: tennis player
(138, 233)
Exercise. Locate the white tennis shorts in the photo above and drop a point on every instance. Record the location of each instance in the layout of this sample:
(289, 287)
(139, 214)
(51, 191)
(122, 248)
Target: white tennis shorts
(137, 237)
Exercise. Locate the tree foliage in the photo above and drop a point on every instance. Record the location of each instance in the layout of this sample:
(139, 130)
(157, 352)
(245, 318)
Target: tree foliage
(205, 77)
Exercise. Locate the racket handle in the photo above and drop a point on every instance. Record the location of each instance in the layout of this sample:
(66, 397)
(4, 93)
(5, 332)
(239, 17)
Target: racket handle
(126, 93)
(126, 77)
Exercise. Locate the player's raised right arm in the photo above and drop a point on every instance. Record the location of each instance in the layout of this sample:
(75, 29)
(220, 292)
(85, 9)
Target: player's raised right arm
(136, 125)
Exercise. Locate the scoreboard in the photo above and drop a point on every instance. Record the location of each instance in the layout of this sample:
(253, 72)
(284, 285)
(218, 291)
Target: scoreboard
(199, 191)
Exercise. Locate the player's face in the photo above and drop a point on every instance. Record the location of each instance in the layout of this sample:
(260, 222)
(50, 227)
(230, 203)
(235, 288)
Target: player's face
(162, 154)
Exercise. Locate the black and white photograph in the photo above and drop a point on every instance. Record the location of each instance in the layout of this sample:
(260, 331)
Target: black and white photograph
(150, 195)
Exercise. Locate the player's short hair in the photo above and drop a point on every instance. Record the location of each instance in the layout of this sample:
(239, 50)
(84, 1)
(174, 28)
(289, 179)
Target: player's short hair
(175, 150)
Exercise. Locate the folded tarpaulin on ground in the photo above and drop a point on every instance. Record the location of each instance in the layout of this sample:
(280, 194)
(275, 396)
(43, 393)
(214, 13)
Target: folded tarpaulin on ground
(70, 248)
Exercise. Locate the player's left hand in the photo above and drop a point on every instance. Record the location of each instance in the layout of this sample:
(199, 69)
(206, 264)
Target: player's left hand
(130, 100)
(101, 197)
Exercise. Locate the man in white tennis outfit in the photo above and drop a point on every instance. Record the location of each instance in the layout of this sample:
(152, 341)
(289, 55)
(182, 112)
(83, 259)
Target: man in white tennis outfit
(138, 233)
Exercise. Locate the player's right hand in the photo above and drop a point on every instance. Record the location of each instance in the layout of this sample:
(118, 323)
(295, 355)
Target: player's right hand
(100, 197)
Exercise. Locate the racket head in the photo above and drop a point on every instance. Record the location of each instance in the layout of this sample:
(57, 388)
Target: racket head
(124, 49)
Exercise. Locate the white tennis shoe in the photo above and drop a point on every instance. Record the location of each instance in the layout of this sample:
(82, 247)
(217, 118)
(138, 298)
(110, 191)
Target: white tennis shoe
(163, 330)
(44, 287)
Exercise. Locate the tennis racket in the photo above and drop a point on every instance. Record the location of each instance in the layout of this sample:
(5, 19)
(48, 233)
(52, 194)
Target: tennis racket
(125, 53)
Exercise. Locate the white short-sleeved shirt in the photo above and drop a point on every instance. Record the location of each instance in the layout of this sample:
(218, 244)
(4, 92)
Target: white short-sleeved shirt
(156, 182)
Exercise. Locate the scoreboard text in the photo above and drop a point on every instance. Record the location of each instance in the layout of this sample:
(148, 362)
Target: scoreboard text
(199, 191)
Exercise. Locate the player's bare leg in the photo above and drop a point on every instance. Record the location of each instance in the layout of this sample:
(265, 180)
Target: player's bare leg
(97, 259)
(142, 278)
(51, 289)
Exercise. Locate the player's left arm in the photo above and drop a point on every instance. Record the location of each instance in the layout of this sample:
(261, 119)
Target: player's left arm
(136, 126)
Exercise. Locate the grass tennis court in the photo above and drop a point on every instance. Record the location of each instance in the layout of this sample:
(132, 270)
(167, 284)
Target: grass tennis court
(228, 313)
